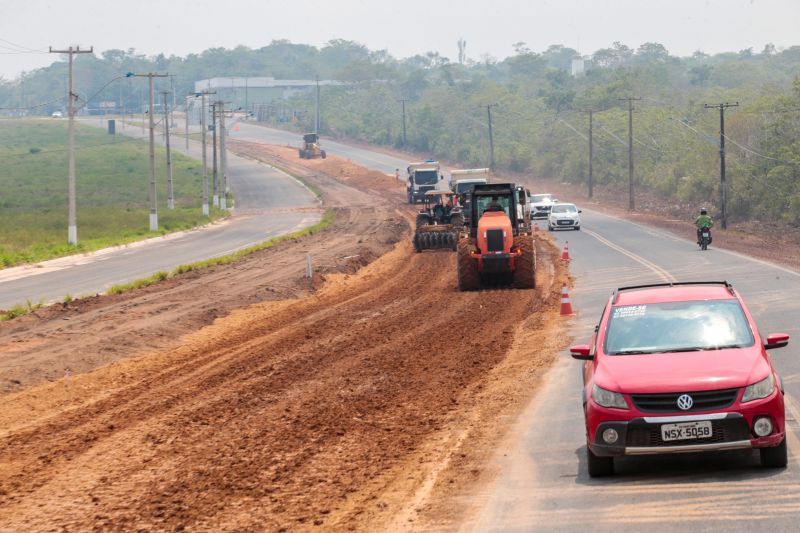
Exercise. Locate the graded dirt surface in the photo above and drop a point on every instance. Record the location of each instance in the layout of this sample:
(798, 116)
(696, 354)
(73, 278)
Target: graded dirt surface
(245, 398)
(84, 334)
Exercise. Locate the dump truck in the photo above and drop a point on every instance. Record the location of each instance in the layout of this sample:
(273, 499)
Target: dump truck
(311, 148)
(462, 182)
(422, 177)
(438, 223)
(498, 248)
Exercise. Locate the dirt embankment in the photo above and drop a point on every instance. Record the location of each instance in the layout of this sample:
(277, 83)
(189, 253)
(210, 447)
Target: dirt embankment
(66, 339)
(371, 401)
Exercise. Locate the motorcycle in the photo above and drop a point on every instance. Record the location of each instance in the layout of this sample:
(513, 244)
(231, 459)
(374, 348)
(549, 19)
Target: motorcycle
(705, 238)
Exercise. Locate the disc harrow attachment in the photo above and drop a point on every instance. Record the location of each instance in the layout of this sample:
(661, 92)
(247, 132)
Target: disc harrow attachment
(435, 238)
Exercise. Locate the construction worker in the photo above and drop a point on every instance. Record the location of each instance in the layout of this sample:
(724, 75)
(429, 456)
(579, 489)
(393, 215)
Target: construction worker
(703, 221)
(397, 174)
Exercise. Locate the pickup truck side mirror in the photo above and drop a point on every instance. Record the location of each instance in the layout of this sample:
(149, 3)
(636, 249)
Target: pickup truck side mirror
(776, 340)
(581, 352)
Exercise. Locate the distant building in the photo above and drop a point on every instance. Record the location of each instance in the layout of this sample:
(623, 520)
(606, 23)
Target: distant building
(578, 66)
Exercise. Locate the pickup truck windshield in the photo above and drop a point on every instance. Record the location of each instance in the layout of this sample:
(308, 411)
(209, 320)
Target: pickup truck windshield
(677, 327)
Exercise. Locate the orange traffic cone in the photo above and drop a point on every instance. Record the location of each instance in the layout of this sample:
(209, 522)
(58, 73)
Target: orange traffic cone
(566, 306)
(565, 253)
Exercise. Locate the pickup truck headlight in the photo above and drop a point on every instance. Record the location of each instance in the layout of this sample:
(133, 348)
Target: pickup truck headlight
(606, 398)
(760, 389)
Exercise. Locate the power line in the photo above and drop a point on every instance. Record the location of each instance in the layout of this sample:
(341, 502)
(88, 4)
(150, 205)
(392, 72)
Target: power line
(750, 150)
(25, 48)
(31, 106)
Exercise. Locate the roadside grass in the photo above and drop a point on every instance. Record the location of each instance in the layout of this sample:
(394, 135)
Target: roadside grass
(327, 219)
(20, 310)
(112, 191)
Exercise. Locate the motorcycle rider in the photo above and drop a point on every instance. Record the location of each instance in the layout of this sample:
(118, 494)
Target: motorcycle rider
(703, 221)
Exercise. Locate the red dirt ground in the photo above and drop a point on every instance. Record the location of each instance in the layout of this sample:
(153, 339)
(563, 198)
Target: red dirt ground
(246, 398)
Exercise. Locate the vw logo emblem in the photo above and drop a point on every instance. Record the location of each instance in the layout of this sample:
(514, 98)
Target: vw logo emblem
(685, 402)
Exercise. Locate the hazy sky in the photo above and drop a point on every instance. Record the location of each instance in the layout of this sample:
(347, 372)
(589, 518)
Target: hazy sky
(403, 27)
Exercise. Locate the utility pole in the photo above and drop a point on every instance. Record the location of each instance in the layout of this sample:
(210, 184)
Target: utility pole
(591, 155)
(723, 188)
(215, 194)
(72, 217)
(170, 190)
(223, 156)
(316, 119)
(174, 104)
(405, 140)
(152, 125)
(631, 202)
(204, 129)
(491, 136)
(186, 124)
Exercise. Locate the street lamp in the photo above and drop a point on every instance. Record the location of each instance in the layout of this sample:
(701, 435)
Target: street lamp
(152, 189)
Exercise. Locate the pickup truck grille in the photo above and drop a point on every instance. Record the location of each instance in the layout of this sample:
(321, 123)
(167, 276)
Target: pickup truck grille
(668, 403)
(731, 430)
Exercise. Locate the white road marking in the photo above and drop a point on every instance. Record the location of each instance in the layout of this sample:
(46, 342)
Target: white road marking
(657, 270)
(793, 440)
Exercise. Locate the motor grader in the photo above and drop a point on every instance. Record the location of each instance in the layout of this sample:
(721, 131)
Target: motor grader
(439, 222)
(498, 249)
(311, 148)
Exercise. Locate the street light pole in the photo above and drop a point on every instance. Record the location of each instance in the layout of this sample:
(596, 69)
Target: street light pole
(72, 217)
(223, 157)
(152, 188)
(204, 129)
(214, 167)
(186, 127)
(170, 190)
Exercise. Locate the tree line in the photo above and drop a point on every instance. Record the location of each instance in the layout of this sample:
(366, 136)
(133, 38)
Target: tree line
(540, 120)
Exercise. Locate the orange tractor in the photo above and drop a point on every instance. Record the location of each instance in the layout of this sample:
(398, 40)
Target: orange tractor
(499, 248)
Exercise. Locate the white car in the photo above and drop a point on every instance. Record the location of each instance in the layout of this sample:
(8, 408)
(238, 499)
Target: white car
(541, 204)
(57, 114)
(564, 216)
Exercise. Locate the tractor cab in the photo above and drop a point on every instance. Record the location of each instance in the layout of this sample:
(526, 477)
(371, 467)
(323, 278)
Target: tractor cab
(497, 200)
(438, 205)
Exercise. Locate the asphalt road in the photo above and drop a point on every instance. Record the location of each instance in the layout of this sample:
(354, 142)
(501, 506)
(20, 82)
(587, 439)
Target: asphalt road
(268, 203)
(363, 156)
(542, 482)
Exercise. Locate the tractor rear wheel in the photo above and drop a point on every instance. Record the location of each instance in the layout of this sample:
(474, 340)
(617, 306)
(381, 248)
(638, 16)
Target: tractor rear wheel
(468, 277)
(525, 264)
(457, 220)
(422, 220)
